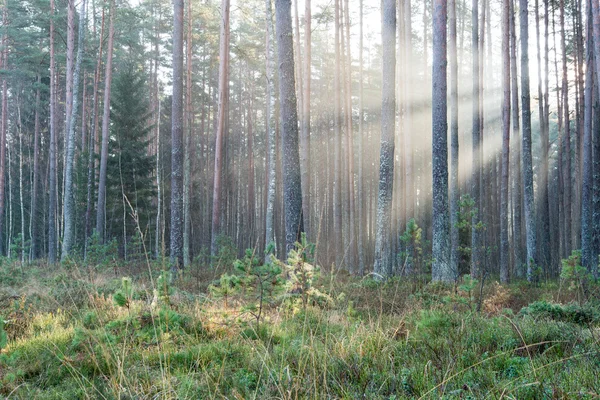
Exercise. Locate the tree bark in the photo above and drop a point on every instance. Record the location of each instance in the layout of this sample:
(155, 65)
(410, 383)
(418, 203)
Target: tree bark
(221, 116)
(292, 186)
(361, 134)
(93, 137)
(189, 122)
(68, 194)
(587, 204)
(337, 157)
(33, 224)
(476, 259)
(454, 144)
(101, 207)
(305, 160)
(52, 154)
(270, 126)
(526, 146)
(504, 247)
(383, 257)
(567, 178)
(596, 139)
(544, 207)
(441, 269)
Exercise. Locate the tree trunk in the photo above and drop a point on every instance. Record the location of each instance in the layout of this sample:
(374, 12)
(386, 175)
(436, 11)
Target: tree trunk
(176, 234)
(587, 205)
(543, 207)
(361, 188)
(441, 269)
(221, 116)
(596, 139)
(101, 207)
(337, 157)
(567, 133)
(504, 248)
(21, 202)
(292, 187)
(270, 126)
(68, 194)
(251, 212)
(383, 257)
(189, 122)
(351, 251)
(52, 154)
(305, 160)
(93, 138)
(33, 223)
(454, 145)
(526, 147)
(476, 259)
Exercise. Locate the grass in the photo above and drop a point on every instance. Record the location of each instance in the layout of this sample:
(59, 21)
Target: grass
(68, 339)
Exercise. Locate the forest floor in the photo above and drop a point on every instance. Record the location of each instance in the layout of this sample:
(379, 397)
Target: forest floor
(75, 332)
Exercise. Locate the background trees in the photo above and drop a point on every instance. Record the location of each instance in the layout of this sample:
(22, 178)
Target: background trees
(364, 122)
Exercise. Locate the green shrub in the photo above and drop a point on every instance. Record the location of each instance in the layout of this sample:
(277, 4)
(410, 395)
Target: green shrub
(573, 313)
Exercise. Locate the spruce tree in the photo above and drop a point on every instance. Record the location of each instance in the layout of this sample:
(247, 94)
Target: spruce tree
(130, 185)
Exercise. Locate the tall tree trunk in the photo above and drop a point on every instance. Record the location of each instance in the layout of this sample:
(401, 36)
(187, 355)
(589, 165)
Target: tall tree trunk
(337, 157)
(270, 126)
(504, 247)
(251, 211)
(567, 132)
(68, 194)
(526, 147)
(361, 117)
(68, 89)
(21, 202)
(176, 235)
(383, 257)
(454, 145)
(158, 239)
(596, 139)
(305, 160)
(596, 189)
(351, 251)
(298, 66)
(52, 154)
(292, 187)
(544, 206)
(409, 183)
(93, 137)
(587, 205)
(101, 207)
(221, 116)
(476, 256)
(189, 123)
(579, 101)
(441, 269)
(33, 224)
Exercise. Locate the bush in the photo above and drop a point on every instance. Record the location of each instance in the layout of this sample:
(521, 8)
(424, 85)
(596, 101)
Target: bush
(573, 313)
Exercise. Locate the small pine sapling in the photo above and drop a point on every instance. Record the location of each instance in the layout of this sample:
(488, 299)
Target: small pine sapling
(411, 257)
(3, 336)
(163, 289)
(227, 286)
(302, 274)
(124, 296)
(260, 284)
(575, 275)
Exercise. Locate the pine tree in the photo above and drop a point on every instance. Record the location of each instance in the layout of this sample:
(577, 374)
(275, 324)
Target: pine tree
(383, 261)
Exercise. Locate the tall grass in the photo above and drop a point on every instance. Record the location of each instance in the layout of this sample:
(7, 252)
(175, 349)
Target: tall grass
(67, 338)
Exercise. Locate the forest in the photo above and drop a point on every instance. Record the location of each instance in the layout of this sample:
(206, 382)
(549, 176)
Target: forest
(289, 199)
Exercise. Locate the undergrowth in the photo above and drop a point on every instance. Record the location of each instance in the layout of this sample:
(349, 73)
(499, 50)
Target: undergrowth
(285, 330)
